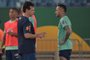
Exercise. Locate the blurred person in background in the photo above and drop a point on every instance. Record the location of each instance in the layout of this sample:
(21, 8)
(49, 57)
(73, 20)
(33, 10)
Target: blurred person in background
(33, 21)
(1, 37)
(10, 35)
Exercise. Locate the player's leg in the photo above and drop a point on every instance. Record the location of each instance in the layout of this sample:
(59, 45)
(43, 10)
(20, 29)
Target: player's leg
(8, 55)
(15, 55)
(31, 56)
(0, 56)
(61, 55)
(62, 58)
(57, 56)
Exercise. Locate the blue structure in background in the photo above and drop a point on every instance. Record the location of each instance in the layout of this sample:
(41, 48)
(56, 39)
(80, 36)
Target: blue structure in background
(45, 3)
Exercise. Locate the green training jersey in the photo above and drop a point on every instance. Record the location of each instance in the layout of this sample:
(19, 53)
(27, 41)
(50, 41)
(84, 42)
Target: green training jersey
(64, 21)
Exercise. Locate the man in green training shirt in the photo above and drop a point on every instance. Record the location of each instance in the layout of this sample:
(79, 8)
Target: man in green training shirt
(64, 31)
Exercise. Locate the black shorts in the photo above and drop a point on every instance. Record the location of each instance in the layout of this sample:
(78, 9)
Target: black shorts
(65, 53)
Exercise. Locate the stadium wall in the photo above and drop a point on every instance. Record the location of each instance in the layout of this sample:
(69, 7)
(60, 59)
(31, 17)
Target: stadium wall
(80, 18)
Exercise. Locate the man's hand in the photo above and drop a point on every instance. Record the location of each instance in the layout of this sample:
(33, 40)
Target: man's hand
(10, 32)
(41, 35)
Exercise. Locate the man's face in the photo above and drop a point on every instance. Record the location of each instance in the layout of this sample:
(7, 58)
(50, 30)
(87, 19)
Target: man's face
(59, 11)
(13, 13)
(31, 11)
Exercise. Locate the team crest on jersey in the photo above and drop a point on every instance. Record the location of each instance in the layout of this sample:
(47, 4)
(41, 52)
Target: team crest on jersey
(28, 28)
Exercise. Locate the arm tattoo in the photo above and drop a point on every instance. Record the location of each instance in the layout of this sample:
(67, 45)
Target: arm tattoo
(68, 32)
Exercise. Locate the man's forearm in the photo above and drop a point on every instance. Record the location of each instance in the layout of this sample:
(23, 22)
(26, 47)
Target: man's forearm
(28, 35)
(68, 32)
(66, 36)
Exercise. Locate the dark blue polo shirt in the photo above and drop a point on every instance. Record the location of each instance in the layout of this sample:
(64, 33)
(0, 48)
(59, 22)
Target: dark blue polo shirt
(26, 45)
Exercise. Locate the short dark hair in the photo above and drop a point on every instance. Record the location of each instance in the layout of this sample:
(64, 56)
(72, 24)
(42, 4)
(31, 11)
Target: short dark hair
(15, 9)
(63, 6)
(27, 5)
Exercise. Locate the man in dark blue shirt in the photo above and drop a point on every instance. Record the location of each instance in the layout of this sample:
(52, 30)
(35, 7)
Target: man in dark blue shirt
(26, 33)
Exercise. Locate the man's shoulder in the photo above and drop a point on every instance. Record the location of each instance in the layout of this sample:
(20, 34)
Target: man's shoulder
(22, 19)
(65, 18)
